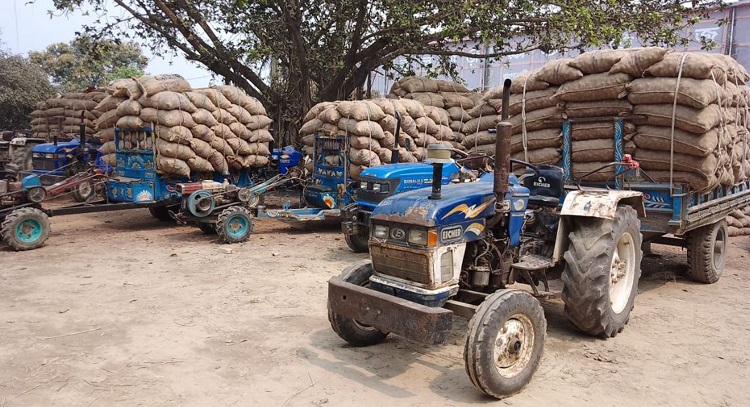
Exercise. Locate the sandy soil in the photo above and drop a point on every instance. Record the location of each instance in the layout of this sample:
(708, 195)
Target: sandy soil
(121, 310)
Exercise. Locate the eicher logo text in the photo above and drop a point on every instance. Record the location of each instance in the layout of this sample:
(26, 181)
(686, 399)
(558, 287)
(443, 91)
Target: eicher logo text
(451, 233)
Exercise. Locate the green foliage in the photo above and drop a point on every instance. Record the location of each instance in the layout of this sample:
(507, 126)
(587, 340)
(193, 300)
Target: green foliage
(22, 85)
(89, 62)
(324, 50)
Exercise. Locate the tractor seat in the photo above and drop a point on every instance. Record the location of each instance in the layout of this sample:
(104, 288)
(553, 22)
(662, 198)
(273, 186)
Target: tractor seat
(546, 188)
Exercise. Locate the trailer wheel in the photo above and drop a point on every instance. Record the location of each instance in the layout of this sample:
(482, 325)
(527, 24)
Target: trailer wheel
(234, 224)
(505, 342)
(706, 252)
(603, 265)
(356, 242)
(349, 329)
(25, 229)
(83, 191)
(162, 212)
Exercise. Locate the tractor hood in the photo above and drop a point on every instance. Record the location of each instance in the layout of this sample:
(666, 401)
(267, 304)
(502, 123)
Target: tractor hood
(458, 203)
(51, 148)
(421, 171)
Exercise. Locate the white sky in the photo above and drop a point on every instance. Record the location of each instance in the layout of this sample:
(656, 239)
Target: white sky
(29, 28)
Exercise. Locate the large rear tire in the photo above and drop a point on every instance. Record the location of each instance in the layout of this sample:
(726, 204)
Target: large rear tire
(234, 224)
(505, 343)
(356, 242)
(355, 333)
(25, 229)
(706, 252)
(603, 266)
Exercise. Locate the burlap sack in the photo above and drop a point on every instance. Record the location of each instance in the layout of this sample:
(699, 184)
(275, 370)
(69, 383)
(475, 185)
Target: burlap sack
(155, 84)
(200, 164)
(177, 134)
(223, 116)
(328, 129)
(581, 169)
(407, 142)
(360, 110)
(223, 131)
(364, 143)
(457, 126)
(409, 126)
(216, 97)
(388, 141)
(458, 114)
(201, 148)
(106, 135)
(537, 120)
(124, 88)
(528, 80)
(315, 110)
(444, 133)
(356, 170)
(260, 136)
(424, 140)
(426, 125)
(536, 140)
(437, 114)
(173, 166)
(390, 106)
(428, 99)
(240, 113)
(686, 118)
(695, 65)
(609, 107)
(240, 146)
(695, 93)
(129, 108)
(448, 86)
(169, 118)
(659, 138)
(593, 87)
(558, 71)
(541, 156)
(110, 159)
(598, 61)
(258, 122)
(238, 97)
(330, 115)
(202, 116)
(485, 109)
(414, 108)
(451, 99)
(55, 112)
(107, 119)
(479, 138)
(660, 160)
(109, 103)
(167, 100)
(361, 128)
(310, 127)
(200, 101)
(241, 131)
(174, 150)
(535, 100)
(480, 123)
(636, 62)
(130, 122)
(203, 132)
(107, 148)
(87, 114)
(591, 131)
(221, 146)
(389, 124)
(698, 182)
(419, 84)
(218, 162)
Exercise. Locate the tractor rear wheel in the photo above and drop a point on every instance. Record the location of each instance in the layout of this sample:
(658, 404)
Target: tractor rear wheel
(706, 252)
(234, 224)
(83, 191)
(356, 242)
(603, 265)
(505, 342)
(349, 329)
(25, 229)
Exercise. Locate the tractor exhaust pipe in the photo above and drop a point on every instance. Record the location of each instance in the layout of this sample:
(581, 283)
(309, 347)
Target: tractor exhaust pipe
(502, 149)
(394, 151)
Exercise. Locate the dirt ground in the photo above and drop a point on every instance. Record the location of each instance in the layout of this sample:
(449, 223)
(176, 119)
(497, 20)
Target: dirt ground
(121, 310)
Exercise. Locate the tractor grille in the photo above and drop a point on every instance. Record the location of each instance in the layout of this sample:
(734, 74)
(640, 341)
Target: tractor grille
(46, 165)
(407, 264)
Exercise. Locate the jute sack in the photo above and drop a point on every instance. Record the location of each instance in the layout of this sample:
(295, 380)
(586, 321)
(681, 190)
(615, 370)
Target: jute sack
(173, 166)
(316, 109)
(407, 142)
(457, 126)
(364, 157)
(609, 107)
(360, 110)
(310, 127)
(542, 156)
(109, 103)
(200, 101)
(221, 146)
(426, 125)
(479, 138)
(328, 129)
(366, 143)
(203, 116)
(260, 136)
(448, 86)
(636, 62)
(125, 87)
(439, 115)
(659, 138)
(107, 134)
(355, 171)
(536, 120)
(409, 126)
(260, 149)
(534, 100)
(218, 162)
(579, 170)
(240, 146)
(155, 84)
(695, 93)
(240, 113)
(200, 164)
(389, 124)
(174, 150)
(203, 133)
(129, 108)
(419, 84)
(216, 97)
(592, 131)
(451, 99)
(444, 133)
(201, 148)
(176, 134)
(414, 108)
(527, 80)
(593, 87)
(480, 123)
(168, 101)
(110, 159)
(390, 106)
(428, 99)
(259, 122)
(87, 114)
(697, 181)
(240, 130)
(424, 140)
(695, 65)
(330, 115)
(601, 150)
(130, 122)
(223, 116)
(659, 160)
(238, 97)
(248, 161)
(107, 148)
(598, 61)
(558, 71)
(361, 128)
(223, 131)
(536, 140)
(458, 113)
(686, 118)
(169, 118)
(389, 140)
(486, 109)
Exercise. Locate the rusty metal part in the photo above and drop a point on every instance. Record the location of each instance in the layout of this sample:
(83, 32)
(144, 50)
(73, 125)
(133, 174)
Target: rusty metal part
(402, 262)
(416, 322)
(502, 160)
(416, 215)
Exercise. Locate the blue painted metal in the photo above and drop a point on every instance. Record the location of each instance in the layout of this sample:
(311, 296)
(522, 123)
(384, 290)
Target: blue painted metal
(29, 231)
(236, 227)
(567, 153)
(30, 181)
(287, 157)
(49, 159)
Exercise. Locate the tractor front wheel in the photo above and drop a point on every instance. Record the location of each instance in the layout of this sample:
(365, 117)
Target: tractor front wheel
(25, 229)
(234, 224)
(505, 342)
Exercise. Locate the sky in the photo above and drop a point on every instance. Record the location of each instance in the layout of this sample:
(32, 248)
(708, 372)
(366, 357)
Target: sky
(28, 27)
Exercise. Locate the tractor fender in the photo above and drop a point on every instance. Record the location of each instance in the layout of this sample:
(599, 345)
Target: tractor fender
(592, 203)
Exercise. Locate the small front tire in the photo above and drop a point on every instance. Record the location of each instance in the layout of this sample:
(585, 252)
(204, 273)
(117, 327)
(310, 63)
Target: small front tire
(25, 229)
(349, 329)
(234, 224)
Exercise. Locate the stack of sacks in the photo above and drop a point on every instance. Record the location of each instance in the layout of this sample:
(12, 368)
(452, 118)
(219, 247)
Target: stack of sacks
(370, 126)
(447, 103)
(61, 116)
(739, 222)
(215, 129)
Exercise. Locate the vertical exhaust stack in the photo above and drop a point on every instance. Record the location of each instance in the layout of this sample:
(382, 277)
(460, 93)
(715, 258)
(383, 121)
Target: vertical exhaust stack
(83, 152)
(502, 149)
(438, 155)
(394, 151)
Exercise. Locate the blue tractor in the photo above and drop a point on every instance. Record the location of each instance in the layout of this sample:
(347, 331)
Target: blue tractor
(460, 248)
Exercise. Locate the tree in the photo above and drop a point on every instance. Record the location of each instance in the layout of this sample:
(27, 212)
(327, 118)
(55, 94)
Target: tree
(325, 49)
(89, 62)
(22, 85)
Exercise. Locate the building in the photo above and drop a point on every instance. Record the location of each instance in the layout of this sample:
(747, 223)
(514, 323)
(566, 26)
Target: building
(732, 38)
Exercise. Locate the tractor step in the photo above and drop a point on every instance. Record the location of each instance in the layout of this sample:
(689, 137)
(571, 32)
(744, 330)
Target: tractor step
(532, 262)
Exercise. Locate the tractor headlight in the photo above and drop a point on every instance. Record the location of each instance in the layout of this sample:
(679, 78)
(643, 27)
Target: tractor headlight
(380, 232)
(418, 237)
(375, 187)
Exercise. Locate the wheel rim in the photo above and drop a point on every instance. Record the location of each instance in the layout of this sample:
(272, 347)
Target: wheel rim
(29, 230)
(237, 227)
(514, 345)
(84, 189)
(622, 273)
(720, 245)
